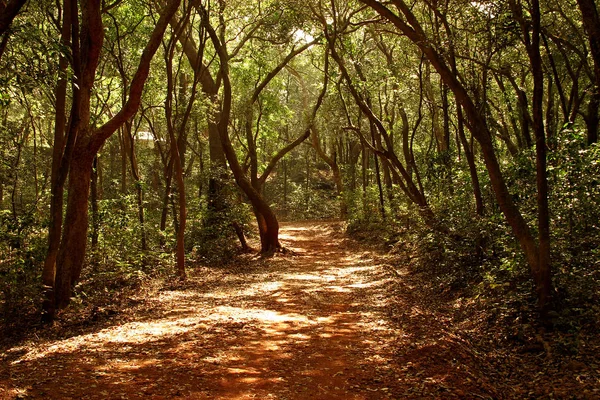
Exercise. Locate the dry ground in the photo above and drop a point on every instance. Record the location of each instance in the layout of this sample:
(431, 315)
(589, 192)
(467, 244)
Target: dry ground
(328, 320)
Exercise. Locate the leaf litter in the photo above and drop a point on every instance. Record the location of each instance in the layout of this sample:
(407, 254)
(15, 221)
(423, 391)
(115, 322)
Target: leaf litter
(328, 319)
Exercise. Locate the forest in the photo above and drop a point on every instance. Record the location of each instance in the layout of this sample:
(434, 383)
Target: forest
(299, 199)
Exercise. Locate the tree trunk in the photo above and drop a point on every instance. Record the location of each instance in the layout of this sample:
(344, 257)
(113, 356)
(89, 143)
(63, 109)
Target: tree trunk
(167, 196)
(339, 186)
(479, 207)
(138, 184)
(543, 278)
(335, 169)
(377, 174)
(285, 188)
(178, 170)
(60, 167)
(524, 117)
(239, 231)
(72, 250)
(182, 218)
(307, 173)
(210, 87)
(364, 176)
(265, 216)
(481, 132)
(8, 12)
(592, 120)
(124, 155)
(407, 184)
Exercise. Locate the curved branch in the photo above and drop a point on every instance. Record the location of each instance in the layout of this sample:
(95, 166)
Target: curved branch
(137, 83)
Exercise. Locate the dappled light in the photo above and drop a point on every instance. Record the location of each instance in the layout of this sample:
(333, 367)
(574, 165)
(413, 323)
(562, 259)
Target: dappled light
(327, 322)
(298, 328)
(299, 199)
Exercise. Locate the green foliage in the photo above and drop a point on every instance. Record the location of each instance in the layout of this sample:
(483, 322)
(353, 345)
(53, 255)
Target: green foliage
(312, 198)
(119, 230)
(363, 206)
(575, 204)
(479, 257)
(210, 235)
(23, 248)
(367, 226)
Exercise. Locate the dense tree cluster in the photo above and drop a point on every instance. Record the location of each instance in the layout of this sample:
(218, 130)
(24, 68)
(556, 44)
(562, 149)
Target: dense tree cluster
(136, 130)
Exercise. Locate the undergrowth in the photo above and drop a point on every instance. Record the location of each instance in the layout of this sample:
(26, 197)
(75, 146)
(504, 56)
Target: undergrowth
(475, 261)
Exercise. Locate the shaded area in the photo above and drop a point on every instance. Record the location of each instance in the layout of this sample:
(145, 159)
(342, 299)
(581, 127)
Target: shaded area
(314, 324)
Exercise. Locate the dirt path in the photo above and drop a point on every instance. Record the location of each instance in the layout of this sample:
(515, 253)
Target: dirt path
(309, 325)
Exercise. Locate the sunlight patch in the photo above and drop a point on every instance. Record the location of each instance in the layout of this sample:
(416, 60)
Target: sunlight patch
(266, 316)
(134, 332)
(303, 277)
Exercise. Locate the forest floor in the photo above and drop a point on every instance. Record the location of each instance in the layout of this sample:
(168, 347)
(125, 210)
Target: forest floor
(329, 319)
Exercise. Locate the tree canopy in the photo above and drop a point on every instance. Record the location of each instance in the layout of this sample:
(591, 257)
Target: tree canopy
(140, 136)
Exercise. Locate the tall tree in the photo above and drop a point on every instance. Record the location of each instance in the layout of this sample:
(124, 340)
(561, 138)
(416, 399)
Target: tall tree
(406, 22)
(252, 186)
(60, 160)
(89, 139)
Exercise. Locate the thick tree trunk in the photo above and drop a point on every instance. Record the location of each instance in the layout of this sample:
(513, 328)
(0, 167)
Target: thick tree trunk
(60, 167)
(544, 277)
(269, 238)
(592, 119)
(270, 230)
(74, 239)
(8, 12)
(540, 259)
(265, 217)
(72, 248)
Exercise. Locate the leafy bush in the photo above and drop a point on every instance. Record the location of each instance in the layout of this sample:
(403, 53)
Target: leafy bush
(481, 257)
(210, 234)
(119, 232)
(574, 173)
(23, 247)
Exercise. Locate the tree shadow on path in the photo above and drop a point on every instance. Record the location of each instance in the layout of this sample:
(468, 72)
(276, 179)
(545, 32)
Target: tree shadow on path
(311, 325)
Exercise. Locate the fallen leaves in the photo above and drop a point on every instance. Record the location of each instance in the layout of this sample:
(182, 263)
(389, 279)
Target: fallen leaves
(330, 321)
